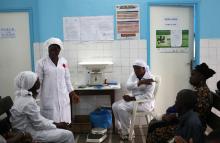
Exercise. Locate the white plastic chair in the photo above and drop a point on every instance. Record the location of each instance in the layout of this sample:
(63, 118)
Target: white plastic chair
(147, 114)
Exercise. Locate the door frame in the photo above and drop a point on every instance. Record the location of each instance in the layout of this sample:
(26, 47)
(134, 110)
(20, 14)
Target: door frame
(31, 31)
(196, 11)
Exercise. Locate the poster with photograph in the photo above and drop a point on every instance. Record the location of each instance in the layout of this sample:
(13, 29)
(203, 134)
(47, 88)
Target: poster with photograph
(128, 21)
(172, 38)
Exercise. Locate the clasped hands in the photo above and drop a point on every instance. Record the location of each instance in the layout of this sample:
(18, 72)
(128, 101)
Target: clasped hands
(128, 98)
(62, 125)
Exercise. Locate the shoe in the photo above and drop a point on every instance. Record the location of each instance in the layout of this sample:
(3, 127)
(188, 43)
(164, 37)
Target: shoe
(124, 137)
(119, 131)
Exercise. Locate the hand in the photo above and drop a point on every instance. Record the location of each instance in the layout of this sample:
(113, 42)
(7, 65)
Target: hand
(74, 97)
(169, 117)
(27, 138)
(128, 98)
(61, 125)
(179, 139)
(145, 81)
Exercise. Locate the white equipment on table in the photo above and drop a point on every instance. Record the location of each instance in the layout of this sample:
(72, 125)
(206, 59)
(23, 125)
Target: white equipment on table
(95, 71)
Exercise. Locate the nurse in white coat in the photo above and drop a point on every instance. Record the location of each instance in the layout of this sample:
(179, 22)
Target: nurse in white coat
(56, 87)
(141, 85)
(25, 113)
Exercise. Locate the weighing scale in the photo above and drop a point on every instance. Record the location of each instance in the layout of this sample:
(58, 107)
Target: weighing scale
(97, 135)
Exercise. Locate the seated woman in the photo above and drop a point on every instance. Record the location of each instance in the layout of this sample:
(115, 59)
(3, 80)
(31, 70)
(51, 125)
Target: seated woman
(162, 131)
(189, 126)
(25, 113)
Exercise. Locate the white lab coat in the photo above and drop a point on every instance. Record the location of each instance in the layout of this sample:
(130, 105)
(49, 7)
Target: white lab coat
(55, 88)
(2, 140)
(25, 116)
(122, 109)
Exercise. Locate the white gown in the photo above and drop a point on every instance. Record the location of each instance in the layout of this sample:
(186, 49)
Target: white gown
(122, 109)
(55, 88)
(25, 116)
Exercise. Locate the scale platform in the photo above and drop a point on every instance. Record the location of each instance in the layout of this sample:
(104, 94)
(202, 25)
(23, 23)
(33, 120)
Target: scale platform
(97, 135)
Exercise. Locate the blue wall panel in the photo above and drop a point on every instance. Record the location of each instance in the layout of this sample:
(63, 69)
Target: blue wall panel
(48, 14)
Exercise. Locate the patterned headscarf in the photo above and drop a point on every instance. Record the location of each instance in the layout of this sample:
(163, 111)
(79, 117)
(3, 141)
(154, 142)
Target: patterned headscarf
(205, 70)
(25, 81)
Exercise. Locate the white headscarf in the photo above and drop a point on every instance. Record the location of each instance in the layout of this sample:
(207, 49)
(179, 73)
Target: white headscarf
(53, 40)
(25, 81)
(141, 63)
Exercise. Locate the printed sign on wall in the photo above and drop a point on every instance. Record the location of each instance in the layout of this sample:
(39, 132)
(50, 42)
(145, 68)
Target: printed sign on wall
(172, 40)
(7, 32)
(128, 21)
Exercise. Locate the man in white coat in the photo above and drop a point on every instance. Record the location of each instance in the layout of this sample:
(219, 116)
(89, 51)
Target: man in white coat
(56, 87)
(141, 85)
(25, 113)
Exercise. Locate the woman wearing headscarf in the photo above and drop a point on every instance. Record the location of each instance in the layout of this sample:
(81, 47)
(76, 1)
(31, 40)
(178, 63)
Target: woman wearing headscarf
(56, 87)
(141, 85)
(25, 113)
(164, 130)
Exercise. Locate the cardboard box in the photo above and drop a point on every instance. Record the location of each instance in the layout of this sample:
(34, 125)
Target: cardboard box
(81, 124)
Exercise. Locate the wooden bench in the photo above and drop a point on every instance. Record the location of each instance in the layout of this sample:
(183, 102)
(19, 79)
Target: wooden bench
(5, 105)
(213, 120)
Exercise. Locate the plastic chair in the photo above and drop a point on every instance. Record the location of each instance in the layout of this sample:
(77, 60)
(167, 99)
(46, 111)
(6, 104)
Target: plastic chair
(147, 114)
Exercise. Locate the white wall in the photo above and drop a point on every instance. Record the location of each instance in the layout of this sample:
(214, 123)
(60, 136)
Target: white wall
(210, 53)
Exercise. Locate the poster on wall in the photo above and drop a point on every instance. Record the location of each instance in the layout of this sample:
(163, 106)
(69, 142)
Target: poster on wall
(172, 40)
(88, 28)
(128, 21)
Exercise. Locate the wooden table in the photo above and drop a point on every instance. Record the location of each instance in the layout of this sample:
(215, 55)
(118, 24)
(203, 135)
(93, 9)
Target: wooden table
(105, 90)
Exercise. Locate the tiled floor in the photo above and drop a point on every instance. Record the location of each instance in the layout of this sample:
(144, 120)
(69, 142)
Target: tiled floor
(140, 137)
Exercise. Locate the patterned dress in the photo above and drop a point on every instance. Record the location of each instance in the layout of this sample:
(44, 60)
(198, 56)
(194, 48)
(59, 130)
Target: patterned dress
(162, 134)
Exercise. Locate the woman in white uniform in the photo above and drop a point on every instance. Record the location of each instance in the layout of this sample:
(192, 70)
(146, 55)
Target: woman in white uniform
(56, 87)
(141, 85)
(25, 113)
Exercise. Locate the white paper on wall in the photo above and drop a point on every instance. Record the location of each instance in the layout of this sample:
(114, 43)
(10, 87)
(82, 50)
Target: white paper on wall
(95, 28)
(90, 28)
(176, 38)
(7, 32)
(71, 28)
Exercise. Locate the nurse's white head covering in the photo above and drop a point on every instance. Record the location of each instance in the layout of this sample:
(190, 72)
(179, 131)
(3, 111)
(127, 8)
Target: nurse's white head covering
(25, 81)
(143, 64)
(140, 63)
(53, 40)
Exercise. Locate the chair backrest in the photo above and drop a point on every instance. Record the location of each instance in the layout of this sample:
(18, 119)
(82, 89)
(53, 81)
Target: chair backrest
(5, 105)
(157, 80)
(213, 119)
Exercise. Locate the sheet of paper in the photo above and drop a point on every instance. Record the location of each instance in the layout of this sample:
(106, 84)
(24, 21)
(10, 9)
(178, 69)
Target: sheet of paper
(71, 28)
(95, 28)
(7, 32)
(176, 38)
